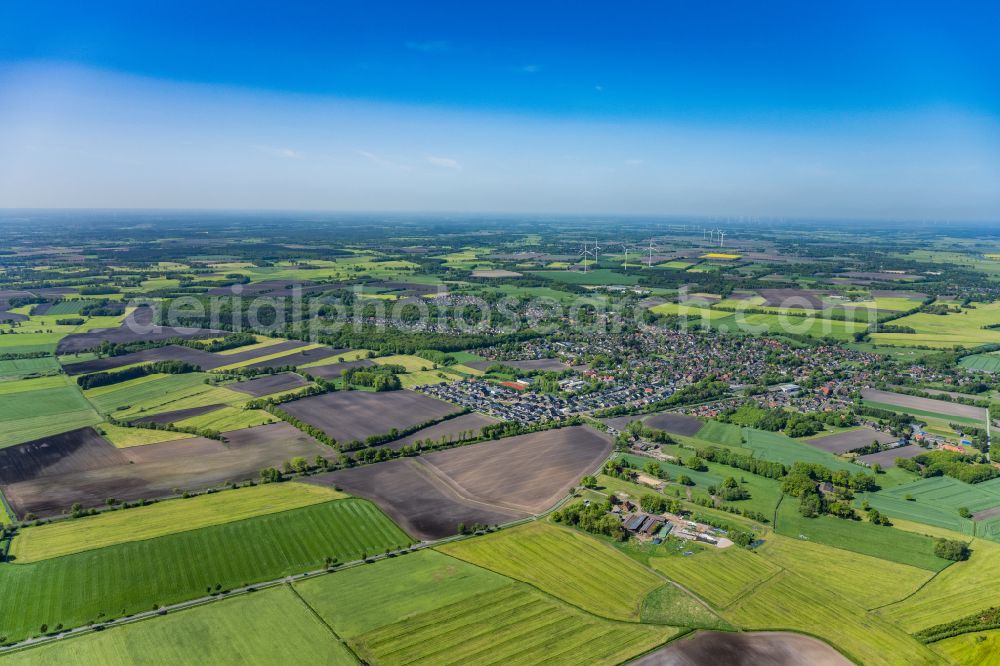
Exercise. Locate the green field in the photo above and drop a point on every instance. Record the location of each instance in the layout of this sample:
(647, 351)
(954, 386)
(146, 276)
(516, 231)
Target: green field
(597, 276)
(266, 357)
(361, 599)
(984, 362)
(167, 517)
(977, 649)
(261, 628)
(21, 367)
(717, 432)
(66, 308)
(867, 581)
(160, 393)
(27, 343)
(411, 363)
(816, 327)
(225, 419)
(950, 330)
(34, 408)
(427, 607)
(718, 575)
(130, 577)
(512, 624)
(936, 501)
(764, 492)
(792, 602)
(686, 310)
(566, 564)
(671, 605)
(771, 445)
(962, 589)
(857, 536)
(123, 438)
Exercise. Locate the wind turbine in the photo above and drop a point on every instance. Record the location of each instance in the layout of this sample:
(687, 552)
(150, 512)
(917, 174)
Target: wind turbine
(626, 256)
(649, 263)
(585, 253)
(722, 237)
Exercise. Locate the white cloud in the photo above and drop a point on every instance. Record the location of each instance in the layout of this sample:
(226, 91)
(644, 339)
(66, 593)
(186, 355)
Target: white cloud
(384, 163)
(430, 46)
(531, 69)
(284, 152)
(445, 162)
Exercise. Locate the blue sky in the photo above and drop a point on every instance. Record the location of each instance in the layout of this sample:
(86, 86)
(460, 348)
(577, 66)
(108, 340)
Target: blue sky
(847, 109)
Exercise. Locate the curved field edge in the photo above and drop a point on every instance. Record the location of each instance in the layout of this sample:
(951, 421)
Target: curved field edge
(110, 528)
(513, 624)
(566, 564)
(428, 607)
(793, 603)
(960, 590)
(124, 579)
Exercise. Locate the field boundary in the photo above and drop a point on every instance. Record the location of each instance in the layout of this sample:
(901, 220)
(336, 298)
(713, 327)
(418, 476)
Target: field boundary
(333, 632)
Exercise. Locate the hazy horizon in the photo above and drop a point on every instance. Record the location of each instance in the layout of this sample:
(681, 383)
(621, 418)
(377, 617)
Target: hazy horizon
(861, 113)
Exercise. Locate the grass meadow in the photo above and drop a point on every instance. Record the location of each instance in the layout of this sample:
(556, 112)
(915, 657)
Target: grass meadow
(259, 628)
(793, 602)
(126, 578)
(162, 518)
(566, 564)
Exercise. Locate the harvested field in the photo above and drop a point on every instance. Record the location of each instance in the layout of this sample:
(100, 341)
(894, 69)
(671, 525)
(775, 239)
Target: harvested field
(73, 451)
(414, 288)
(745, 649)
(449, 430)
(496, 273)
(543, 364)
(526, 473)
(493, 482)
(887, 459)
(203, 359)
(268, 384)
(237, 356)
(178, 414)
(849, 440)
(925, 404)
(619, 423)
(335, 370)
(677, 424)
(138, 326)
(355, 415)
(155, 470)
(809, 299)
(298, 358)
(270, 287)
(885, 277)
(413, 497)
(6, 316)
